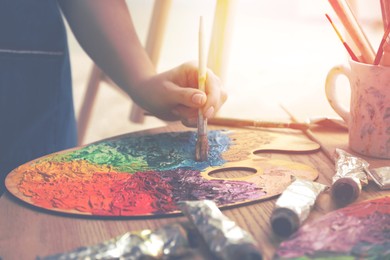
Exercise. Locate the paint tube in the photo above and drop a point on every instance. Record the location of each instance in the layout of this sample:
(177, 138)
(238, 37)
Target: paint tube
(381, 176)
(170, 240)
(349, 178)
(224, 238)
(294, 205)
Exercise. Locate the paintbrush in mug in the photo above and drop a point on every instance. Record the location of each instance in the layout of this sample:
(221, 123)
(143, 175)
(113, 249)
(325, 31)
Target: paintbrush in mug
(385, 10)
(383, 50)
(351, 25)
(202, 143)
(254, 123)
(349, 50)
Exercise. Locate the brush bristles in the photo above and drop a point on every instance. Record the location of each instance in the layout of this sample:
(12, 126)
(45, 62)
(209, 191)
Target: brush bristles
(202, 148)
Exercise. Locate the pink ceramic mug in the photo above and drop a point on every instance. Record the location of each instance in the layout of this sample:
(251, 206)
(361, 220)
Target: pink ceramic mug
(368, 117)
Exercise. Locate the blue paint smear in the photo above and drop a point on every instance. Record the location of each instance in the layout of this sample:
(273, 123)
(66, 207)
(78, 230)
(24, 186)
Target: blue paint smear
(158, 152)
(168, 151)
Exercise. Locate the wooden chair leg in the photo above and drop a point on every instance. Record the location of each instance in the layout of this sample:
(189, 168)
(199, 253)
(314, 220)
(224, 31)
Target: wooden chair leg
(153, 45)
(221, 37)
(95, 77)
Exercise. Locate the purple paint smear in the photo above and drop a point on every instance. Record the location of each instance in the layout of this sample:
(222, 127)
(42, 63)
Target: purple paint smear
(361, 230)
(190, 185)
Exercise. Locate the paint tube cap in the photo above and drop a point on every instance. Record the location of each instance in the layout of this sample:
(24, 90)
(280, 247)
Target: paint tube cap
(345, 190)
(284, 222)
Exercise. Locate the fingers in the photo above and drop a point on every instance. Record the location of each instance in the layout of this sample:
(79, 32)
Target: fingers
(191, 100)
(186, 99)
(189, 97)
(185, 112)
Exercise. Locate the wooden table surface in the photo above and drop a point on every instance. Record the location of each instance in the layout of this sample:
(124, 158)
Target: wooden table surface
(27, 232)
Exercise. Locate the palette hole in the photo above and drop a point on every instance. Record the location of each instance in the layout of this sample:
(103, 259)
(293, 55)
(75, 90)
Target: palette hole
(232, 172)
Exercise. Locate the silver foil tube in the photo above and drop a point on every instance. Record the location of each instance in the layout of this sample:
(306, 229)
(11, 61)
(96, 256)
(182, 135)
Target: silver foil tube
(381, 176)
(170, 240)
(225, 239)
(294, 205)
(349, 178)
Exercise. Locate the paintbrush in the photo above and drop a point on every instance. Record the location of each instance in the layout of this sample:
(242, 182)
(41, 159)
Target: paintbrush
(254, 123)
(385, 10)
(202, 143)
(310, 135)
(383, 48)
(349, 50)
(353, 28)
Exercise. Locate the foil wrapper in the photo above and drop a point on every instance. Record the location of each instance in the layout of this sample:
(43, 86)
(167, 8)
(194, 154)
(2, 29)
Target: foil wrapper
(168, 241)
(299, 197)
(224, 238)
(349, 166)
(381, 176)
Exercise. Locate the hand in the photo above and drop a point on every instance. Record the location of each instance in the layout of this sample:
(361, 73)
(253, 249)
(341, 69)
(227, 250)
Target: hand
(174, 95)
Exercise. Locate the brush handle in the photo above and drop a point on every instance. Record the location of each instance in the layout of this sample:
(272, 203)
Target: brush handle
(201, 149)
(266, 124)
(202, 122)
(349, 50)
(385, 10)
(353, 28)
(383, 54)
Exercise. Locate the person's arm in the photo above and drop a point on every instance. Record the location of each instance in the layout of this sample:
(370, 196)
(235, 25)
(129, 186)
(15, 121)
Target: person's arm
(105, 30)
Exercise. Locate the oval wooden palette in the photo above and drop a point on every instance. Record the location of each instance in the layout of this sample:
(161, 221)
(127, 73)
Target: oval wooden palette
(145, 175)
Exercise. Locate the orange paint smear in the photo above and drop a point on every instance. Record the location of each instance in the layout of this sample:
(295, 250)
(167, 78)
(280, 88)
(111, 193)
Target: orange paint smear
(97, 190)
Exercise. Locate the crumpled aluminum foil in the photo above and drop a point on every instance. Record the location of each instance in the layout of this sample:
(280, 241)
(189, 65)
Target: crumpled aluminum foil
(170, 240)
(300, 196)
(381, 176)
(224, 237)
(349, 166)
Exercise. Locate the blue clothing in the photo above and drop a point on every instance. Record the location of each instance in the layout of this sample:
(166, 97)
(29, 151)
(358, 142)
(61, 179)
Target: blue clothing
(36, 102)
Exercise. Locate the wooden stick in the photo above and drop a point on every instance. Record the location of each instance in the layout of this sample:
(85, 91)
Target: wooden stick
(353, 28)
(349, 50)
(254, 123)
(311, 136)
(154, 42)
(381, 49)
(201, 149)
(219, 50)
(385, 10)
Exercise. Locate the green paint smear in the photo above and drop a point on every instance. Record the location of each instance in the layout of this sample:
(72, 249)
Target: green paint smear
(165, 151)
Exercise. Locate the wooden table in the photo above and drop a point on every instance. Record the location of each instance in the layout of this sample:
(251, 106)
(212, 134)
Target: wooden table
(27, 232)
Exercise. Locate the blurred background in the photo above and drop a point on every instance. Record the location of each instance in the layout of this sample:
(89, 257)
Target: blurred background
(279, 52)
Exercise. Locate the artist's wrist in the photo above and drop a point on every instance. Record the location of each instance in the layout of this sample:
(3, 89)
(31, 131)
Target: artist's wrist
(152, 94)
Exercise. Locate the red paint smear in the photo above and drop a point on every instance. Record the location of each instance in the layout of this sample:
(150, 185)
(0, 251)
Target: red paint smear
(112, 193)
(361, 209)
